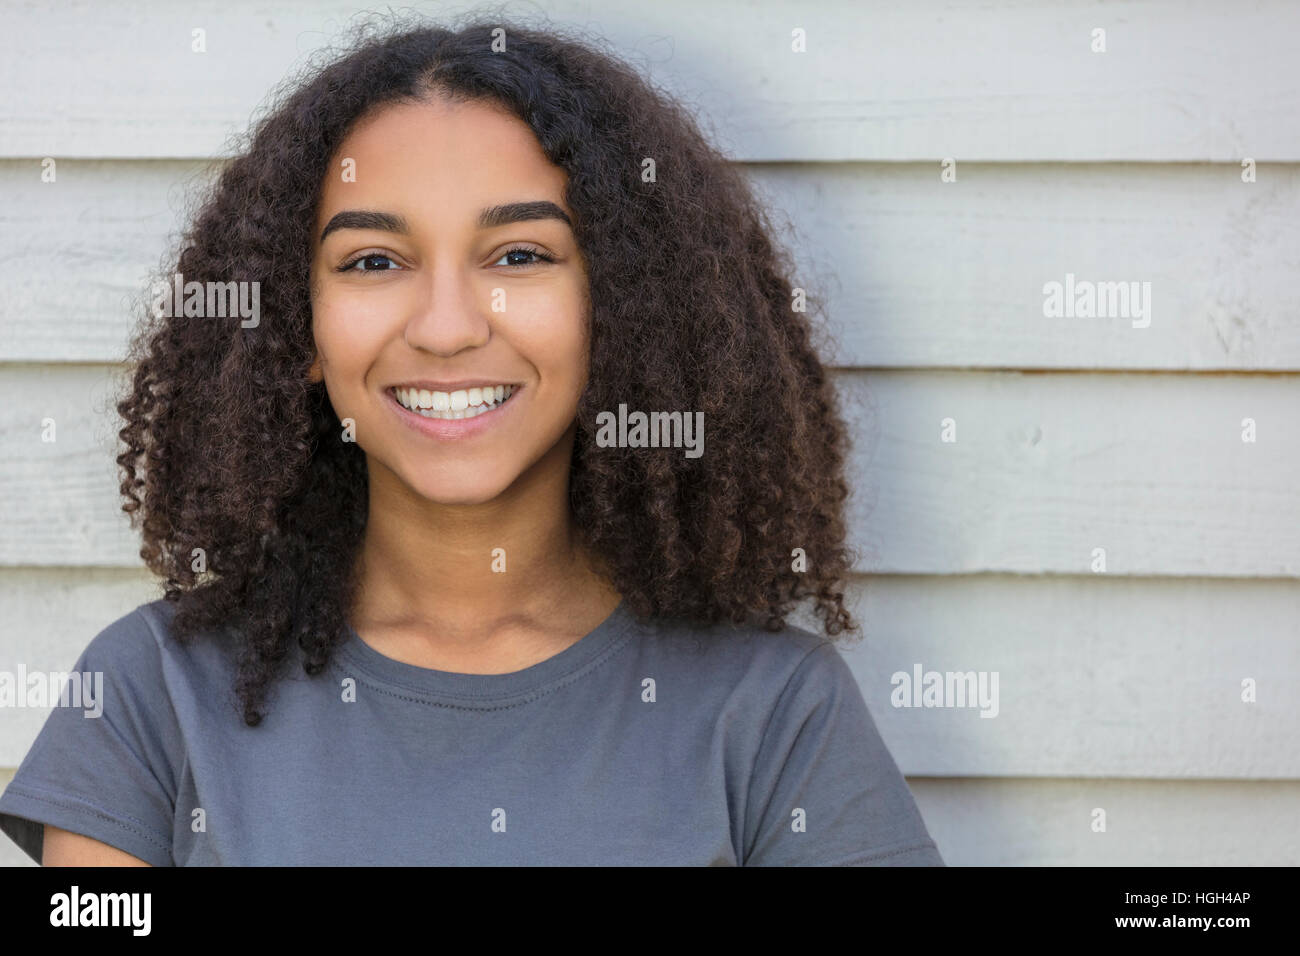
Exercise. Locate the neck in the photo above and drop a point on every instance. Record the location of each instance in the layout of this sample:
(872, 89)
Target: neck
(426, 563)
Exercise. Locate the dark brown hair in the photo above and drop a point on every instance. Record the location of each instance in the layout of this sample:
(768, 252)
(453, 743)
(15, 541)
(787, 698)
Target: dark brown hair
(229, 448)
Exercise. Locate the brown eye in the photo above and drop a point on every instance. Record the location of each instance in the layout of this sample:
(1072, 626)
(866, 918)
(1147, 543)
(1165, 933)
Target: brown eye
(370, 262)
(524, 251)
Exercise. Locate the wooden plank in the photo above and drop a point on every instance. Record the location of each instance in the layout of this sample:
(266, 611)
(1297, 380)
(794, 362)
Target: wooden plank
(1135, 677)
(1096, 678)
(917, 272)
(1045, 469)
(1148, 822)
(914, 272)
(970, 79)
(78, 254)
(63, 493)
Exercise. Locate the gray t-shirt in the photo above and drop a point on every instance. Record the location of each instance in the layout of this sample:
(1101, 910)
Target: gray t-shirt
(641, 744)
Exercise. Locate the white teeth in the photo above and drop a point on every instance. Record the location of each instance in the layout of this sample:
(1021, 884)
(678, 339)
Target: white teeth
(464, 403)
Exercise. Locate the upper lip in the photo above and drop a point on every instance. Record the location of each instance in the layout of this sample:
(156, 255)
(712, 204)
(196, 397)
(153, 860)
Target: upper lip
(462, 385)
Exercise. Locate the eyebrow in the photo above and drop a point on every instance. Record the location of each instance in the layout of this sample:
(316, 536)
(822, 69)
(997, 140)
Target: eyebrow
(489, 218)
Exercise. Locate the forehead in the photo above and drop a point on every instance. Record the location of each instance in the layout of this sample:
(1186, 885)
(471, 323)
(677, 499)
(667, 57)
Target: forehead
(439, 156)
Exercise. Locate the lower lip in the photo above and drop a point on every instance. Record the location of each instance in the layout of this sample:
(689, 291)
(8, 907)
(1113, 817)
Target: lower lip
(454, 428)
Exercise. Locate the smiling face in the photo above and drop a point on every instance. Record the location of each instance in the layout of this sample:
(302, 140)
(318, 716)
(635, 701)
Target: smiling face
(449, 299)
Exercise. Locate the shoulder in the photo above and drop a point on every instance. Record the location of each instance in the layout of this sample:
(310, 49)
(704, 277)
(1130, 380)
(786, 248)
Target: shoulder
(127, 650)
(761, 665)
(139, 652)
(138, 635)
(136, 641)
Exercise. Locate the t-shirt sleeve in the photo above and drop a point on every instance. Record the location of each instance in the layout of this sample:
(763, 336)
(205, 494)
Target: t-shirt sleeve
(825, 790)
(107, 767)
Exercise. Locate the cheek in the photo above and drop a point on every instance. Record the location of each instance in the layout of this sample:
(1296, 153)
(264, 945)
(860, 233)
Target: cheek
(347, 337)
(553, 337)
(346, 345)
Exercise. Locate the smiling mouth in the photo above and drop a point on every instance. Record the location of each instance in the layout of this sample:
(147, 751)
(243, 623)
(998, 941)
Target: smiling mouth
(463, 403)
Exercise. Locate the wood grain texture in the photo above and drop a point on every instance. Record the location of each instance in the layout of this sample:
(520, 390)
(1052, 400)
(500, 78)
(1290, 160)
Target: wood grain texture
(912, 271)
(1047, 467)
(1096, 677)
(1007, 81)
(989, 822)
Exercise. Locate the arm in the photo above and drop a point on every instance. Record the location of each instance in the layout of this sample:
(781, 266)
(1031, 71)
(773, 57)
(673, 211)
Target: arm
(65, 848)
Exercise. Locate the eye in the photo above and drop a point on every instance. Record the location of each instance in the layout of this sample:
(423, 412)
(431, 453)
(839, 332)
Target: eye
(524, 251)
(369, 262)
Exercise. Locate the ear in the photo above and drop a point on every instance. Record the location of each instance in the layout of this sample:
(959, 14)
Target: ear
(314, 374)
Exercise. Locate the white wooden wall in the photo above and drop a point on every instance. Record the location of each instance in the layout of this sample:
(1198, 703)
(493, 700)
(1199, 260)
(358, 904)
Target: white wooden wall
(1119, 690)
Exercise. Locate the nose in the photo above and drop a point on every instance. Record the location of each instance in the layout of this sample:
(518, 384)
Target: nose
(447, 313)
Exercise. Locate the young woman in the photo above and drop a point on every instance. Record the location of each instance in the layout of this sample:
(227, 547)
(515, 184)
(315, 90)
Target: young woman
(434, 594)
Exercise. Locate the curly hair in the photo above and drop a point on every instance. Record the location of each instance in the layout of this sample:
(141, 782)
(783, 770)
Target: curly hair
(229, 448)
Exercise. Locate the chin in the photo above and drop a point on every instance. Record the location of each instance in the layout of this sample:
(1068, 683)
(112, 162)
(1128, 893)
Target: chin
(457, 490)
